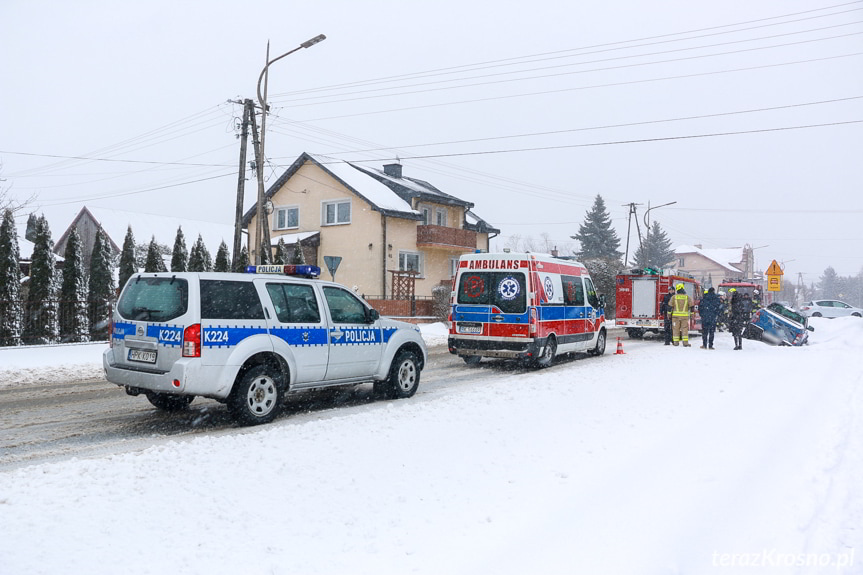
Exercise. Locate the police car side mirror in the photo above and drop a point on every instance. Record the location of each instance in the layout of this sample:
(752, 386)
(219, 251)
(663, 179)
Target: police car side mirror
(810, 328)
(372, 315)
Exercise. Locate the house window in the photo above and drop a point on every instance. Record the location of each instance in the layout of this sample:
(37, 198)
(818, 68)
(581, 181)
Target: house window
(287, 218)
(410, 262)
(453, 266)
(440, 216)
(426, 216)
(680, 263)
(336, 212)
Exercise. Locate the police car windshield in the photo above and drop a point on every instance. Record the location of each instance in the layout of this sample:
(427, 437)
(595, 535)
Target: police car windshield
(154, 299)
(505, 290)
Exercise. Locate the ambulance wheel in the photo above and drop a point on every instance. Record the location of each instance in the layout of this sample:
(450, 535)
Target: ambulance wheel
(403, 380)
(472, 359)
(257, 397)
(600, 344)
(548, 352)
(169, 402)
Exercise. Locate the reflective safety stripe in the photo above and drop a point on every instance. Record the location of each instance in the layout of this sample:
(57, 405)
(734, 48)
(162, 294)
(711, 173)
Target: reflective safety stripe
(680, 305)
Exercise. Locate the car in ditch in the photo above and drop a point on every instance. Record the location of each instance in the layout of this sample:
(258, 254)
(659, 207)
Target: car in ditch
(777, 324)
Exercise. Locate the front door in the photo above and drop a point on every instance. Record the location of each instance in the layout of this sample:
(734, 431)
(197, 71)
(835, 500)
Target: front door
(356, 343)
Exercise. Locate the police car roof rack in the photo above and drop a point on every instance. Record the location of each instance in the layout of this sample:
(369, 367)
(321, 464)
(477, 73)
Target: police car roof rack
(304, 270)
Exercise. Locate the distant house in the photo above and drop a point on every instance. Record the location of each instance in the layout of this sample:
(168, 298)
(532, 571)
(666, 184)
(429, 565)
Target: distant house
(114, 224)
(377, 221)
(713, 266)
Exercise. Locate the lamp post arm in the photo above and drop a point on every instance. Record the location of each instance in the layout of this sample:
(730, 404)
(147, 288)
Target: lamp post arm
(306, 44)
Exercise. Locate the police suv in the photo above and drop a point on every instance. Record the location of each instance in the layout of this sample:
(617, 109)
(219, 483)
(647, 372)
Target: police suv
(249, 339)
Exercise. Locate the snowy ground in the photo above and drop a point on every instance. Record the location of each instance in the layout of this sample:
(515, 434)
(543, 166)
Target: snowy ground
(663, 460)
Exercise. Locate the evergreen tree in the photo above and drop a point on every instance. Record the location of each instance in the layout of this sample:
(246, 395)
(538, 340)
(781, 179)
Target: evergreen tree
(656, 251)
(32, 228)
(154, 262)
(596, 236)
(266, 254)
(101, 289)
(223, 259)
(128, 265)
(199, 257)
(180, 255)
(828, 284)
(298, 257)
(74, 321)
(40, 325)
(11, 311)
(242, 260)
(281, 256)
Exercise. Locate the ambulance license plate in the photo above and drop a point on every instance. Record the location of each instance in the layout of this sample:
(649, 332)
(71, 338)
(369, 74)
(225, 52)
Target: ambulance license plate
(474, 328)
(142, 355)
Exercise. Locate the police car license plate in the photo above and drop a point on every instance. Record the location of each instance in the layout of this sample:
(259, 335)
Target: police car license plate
(142, 355)
(470, 328)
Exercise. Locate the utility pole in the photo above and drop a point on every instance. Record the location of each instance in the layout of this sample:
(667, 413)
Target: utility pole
(248, 110)
(632, 212)
(262, 228)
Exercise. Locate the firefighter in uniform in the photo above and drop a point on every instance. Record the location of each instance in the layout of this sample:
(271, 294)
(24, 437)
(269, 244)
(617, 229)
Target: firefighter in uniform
(680, 306)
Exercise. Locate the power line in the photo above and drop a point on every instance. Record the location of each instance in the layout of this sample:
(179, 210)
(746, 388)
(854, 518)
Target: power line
(92, 159)
(621, 142)
(590, 87)
(591, 47)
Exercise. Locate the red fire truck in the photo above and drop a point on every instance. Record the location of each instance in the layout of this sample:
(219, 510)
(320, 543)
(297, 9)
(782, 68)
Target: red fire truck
(639, 297)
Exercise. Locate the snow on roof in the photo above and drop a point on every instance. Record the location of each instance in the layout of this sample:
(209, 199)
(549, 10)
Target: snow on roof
(164, 228)
(370, 188)
(726, 257)
(412, 184)
(292, 238)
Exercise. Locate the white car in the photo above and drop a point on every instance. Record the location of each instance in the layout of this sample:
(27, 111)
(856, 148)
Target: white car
(829, 308)
(249, 339)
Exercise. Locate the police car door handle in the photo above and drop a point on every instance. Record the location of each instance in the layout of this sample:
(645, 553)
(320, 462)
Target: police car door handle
(337, 334)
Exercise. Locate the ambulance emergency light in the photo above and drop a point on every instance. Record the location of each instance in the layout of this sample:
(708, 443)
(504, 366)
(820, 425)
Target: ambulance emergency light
(289, 270)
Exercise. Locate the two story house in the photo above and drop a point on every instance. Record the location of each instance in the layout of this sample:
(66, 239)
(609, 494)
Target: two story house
(378, 221)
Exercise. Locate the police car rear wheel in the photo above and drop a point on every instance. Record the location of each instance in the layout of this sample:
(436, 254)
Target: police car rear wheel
(256, 398)
(168, 402)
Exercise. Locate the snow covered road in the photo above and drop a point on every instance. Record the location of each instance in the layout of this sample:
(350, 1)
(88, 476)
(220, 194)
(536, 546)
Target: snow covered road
(663, 460)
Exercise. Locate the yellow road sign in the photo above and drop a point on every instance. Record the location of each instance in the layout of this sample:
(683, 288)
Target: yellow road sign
(774, 283)
(774, 269)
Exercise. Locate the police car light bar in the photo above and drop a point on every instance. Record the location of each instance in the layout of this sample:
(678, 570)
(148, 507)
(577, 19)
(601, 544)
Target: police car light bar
(290, 270)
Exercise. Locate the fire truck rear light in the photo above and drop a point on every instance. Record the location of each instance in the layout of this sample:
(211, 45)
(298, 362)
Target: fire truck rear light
(192, 341)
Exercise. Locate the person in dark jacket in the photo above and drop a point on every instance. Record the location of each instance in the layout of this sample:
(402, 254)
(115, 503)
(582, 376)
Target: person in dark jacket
(739, 317)
(709, 309)
(665, 310)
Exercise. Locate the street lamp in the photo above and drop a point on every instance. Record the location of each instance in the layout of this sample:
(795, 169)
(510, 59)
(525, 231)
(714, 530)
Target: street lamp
(262, 231)
(647, 225)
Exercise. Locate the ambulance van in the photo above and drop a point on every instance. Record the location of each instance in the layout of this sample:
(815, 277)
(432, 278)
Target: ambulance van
(530, 307)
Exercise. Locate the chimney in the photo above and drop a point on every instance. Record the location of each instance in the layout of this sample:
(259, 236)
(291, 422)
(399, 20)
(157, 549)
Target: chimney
(393, 170)
(554, 252)
(698, 246)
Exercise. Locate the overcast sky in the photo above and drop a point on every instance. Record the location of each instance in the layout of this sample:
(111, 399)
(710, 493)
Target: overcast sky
(746, 114)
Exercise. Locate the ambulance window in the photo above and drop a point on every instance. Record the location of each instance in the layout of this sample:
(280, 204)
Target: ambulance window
(506, 290)
(230, 300)
(294, 303)
(573, 290)
(592, 298)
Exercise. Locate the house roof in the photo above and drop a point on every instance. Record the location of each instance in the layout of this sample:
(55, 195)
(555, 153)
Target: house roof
(409, 188)
(378, 196)
(728, 258)
(144, 226)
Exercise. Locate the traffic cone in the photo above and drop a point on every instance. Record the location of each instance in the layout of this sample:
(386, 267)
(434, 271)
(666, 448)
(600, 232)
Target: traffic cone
(619, 348)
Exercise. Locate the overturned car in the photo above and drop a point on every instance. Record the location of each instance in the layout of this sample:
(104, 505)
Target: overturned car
(778, 325)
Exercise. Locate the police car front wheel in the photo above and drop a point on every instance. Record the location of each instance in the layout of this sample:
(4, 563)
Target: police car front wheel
(403, 380)
(257, 397)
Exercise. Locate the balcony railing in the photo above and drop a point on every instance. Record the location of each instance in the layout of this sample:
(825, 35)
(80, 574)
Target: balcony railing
(443, 237)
